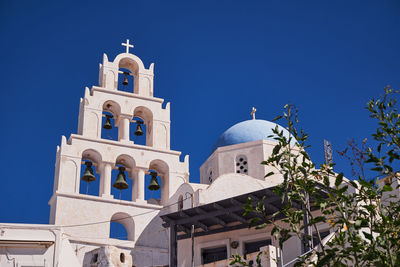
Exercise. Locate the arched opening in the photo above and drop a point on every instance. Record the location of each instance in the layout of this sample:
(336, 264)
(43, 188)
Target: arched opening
(116, 180)
(152, 196)
(162, 170)
(122, 176)
(122, 226)
(128, 65)
(138, 131)
(125, 80)
(109, 127)
(146, 116)
(242, 164)
(90, 173)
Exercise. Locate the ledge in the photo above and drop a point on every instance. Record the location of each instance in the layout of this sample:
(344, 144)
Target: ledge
(106, 200)
(117, 143)
(126, 94)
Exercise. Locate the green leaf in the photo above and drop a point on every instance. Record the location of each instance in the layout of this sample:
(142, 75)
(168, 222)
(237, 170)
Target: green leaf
(277, 118)
(339, 179)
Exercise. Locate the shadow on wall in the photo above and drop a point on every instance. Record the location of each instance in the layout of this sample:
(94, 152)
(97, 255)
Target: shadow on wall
(154, 235)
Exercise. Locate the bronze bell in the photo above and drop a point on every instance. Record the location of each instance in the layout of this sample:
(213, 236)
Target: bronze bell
(138, 131)
(125, 82)
(88, 175)
(153, 182)
(107, 125)
(121, 183)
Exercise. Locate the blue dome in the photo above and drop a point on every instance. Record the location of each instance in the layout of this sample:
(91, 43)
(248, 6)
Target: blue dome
(247, 131)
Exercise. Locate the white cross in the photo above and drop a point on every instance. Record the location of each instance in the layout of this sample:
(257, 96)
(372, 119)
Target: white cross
(127, 45)
(253, 112)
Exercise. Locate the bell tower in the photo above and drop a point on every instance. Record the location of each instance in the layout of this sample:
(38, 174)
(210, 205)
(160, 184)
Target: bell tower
(131, 112)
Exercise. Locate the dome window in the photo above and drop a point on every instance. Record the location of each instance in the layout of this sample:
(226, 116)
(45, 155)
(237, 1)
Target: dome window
(241, 164)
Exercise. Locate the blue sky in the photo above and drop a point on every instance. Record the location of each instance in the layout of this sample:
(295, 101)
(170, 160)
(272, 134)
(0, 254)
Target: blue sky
(214, 60)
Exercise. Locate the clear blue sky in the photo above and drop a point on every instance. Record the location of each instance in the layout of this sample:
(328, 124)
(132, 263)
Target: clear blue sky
(214, 60)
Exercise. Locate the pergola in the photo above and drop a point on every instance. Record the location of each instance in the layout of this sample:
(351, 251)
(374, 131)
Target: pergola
(217, 217)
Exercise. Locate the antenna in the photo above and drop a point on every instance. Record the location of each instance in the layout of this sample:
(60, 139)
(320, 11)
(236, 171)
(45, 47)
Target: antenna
(328, 152)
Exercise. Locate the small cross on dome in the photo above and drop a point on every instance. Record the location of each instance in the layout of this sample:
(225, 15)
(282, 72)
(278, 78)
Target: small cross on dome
(253, 112)
(127, 45)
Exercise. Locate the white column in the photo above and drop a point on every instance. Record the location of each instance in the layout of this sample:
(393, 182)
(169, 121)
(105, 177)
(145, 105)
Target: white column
(105, 180)
(124, 129)
(133, 175)
(140, 184)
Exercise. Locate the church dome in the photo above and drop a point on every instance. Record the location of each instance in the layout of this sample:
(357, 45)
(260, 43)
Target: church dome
(247, 131)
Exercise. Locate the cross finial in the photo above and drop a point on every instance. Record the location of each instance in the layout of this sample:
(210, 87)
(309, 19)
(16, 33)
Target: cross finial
(127, 45)
(253, 112)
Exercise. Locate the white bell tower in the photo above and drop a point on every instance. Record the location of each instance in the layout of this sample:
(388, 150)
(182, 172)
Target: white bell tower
(87, 217)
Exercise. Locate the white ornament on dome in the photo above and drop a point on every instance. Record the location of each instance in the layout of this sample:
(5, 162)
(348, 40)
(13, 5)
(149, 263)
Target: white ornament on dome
(127, 45)
(253, 112)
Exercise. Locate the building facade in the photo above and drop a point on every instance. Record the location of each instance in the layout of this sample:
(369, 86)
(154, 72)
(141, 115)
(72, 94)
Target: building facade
(139, 152)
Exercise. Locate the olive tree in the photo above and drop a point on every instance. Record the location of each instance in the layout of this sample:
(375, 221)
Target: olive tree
(362, 213)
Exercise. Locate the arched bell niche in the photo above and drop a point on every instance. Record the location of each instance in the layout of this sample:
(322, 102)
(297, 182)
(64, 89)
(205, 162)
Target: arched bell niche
(109, 127)
(146, 115)
(90, 173)
(128, 172)
(122, 226)
(129, 65)
(162, 170)
(126, 80)
(138, 131)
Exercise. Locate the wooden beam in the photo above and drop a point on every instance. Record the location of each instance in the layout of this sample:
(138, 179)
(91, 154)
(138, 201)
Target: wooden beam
(183, 229)
(237, 217)
(198, 223)
(173, 246)
(220, 210)
(216, 219)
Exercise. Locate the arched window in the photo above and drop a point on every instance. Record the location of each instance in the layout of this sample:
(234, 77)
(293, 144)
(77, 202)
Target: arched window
(180, 202)
(241, 164)
(122, 226)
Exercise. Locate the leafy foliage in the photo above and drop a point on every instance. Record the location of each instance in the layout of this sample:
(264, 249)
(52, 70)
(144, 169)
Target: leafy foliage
(363, 214)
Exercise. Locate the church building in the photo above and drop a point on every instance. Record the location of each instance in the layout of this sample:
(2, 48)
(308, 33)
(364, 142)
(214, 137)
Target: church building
(122, 147)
